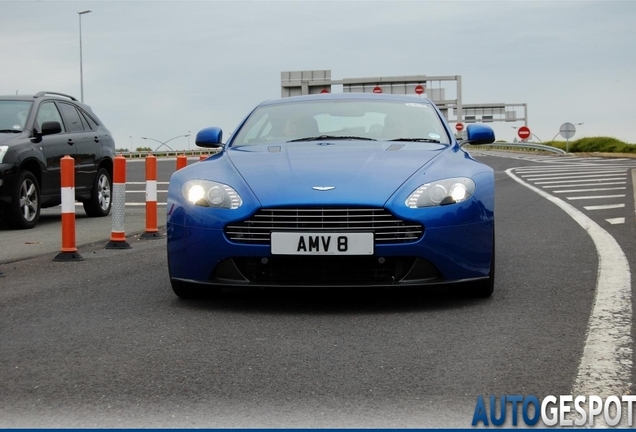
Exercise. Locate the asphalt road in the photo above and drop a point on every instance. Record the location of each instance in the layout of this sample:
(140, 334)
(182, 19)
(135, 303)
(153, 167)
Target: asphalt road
(105, 343)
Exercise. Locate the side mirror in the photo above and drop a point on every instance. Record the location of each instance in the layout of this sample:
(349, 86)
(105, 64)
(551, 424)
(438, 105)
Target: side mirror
(211, 137)
(478, 134)
(51, 127)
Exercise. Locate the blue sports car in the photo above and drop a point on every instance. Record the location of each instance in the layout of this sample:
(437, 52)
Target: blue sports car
(334, 190)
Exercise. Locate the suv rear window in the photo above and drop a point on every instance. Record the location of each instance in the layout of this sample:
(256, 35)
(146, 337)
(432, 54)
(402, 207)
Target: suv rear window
(71, 117)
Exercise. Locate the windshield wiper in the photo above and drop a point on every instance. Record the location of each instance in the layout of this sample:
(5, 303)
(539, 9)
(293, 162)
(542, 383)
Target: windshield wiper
(10, 131)
(430, 140)
(332, 137)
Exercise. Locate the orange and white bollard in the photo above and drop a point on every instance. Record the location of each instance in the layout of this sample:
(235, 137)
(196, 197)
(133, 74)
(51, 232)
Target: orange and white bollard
(118, 233)
(68, 252)
(152, 230)
(203, 157)
(182, 161)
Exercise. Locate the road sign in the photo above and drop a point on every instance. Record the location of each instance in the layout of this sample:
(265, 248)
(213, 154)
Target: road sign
(377, 89)
(419, 89)
(324, 91)
(459, 127)
(523, 132)
(567, 130)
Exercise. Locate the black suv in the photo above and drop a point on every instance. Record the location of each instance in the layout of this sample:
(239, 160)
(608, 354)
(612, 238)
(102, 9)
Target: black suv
(35, 133)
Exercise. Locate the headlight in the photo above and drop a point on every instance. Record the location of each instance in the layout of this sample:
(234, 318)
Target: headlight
(206, 193)
(3, 151)
(441, 192)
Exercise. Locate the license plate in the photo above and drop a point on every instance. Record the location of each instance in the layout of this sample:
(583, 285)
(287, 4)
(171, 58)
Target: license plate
(317, 243)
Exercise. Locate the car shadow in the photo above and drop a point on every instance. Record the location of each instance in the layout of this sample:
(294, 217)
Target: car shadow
(43, 221)
(334, 301)
(48, 217)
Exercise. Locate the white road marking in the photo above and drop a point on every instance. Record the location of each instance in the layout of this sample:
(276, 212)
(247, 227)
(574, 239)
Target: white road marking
(606, 365)
(580, 181)
(159, 204)
(585, 185)
(616, 221)
(596, 197)
(572, 173)
(587, 176)
(589, 190)
(143, 183)
(79, 204)
(604, 207)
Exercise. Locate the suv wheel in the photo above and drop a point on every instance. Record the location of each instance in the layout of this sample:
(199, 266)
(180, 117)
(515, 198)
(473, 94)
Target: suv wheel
(24, 210)
(100, 201)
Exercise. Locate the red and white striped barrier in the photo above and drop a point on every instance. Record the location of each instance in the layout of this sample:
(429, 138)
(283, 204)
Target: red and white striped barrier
(118, 233)
(68, 252)
(152, 229)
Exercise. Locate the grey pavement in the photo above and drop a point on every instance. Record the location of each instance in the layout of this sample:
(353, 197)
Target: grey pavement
(46, 237)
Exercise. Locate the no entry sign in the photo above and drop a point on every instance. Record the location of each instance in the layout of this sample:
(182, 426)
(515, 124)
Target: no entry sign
(419, 89)
(459, 127)
(524, 132)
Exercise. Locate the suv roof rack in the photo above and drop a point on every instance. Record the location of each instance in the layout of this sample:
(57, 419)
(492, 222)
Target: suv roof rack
(44, 93)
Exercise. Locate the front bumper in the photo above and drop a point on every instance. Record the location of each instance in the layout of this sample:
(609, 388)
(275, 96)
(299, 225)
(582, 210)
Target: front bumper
(7, 180)
(443, 255)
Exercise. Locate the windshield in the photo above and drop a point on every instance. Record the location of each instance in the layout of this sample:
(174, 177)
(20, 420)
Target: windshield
(13, 115)
(342, 119)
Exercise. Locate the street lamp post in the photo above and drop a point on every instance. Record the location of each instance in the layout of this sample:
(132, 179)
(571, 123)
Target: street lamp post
(81, 66)
(164, 143)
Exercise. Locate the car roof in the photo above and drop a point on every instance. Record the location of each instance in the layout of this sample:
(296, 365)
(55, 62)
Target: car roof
(42, 94)
(18, 98)
(349, 96)
(47, 96)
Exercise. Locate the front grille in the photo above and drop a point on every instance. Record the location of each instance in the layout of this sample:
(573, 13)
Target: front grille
(386, 227)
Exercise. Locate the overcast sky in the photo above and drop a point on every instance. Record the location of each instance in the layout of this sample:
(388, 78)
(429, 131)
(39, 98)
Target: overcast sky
(162, 69)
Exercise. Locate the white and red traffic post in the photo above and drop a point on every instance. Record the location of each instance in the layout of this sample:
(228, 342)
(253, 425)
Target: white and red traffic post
(182, 161)
(68, 252)
(152, 229)
(118, 233)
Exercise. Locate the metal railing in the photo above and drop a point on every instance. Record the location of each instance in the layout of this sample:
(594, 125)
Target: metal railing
(167, 153)
(199, 152)
(515, 146)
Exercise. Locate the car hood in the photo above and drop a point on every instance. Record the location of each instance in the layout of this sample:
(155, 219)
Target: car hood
(329, 173)
(7, 137)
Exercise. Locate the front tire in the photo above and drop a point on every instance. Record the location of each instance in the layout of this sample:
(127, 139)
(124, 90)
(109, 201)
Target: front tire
(24, 210)
(99, 204)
